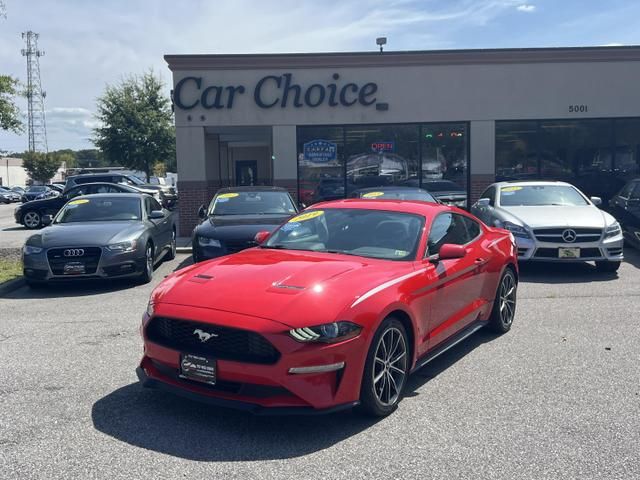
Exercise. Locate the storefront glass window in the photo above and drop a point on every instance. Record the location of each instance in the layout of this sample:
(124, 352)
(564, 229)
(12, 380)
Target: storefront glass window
(381, 155)
(320, 164)
(596, 155)
(516, 156)
(444, 157)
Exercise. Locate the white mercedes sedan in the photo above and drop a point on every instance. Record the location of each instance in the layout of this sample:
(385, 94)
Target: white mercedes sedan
(553, 221)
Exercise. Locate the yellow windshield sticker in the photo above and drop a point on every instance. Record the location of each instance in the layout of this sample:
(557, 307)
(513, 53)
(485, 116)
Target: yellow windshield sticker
(79, 202)
(307, 216)
(401, 253)
(510, 189)
(228, 195)
(373, 194)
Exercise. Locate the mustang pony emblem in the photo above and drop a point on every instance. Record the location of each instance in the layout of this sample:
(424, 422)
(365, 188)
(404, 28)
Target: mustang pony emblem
(204, 336)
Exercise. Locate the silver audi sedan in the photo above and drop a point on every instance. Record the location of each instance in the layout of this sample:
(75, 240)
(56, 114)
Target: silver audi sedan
(553, 221)
(101, 236)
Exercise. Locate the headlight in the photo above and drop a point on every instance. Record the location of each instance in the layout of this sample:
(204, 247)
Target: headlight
(517, 230)
(122, 246)
(208, 242)
(327, 333)
(31, 250)
(612, 230)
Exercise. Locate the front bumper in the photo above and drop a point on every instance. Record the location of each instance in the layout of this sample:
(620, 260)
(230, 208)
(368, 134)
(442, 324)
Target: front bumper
(531, 249)
(37, 267)
(201, 253)
(259, 387)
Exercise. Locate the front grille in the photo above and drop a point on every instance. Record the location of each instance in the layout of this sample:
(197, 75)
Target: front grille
(553, 253)
(615, 251)
(230, 343)
(57, 260)
(237, 246)
(555, 234)
(522, 251)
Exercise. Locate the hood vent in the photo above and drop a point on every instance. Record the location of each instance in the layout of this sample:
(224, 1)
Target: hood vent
(201, 278)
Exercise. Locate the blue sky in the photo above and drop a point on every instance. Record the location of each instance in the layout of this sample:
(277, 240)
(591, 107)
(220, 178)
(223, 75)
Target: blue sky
(90, 43)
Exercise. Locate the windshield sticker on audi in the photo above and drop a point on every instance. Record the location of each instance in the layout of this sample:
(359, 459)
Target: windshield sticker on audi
(79, 202)
(228, 195)
(307, 216)
(510, 189)
(373, 194)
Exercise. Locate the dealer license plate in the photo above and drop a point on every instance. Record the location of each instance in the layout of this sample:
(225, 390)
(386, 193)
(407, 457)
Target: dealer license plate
(74, 268)
(569, 252)
(200, 369)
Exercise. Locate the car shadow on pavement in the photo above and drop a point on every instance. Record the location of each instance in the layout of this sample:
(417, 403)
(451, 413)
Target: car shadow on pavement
(187, 429)
(184, 263)
(14, 229)
(548, 272)
(70, 289)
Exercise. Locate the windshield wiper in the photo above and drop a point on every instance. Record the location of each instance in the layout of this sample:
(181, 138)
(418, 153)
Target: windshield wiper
(343, 252)
(274, 247)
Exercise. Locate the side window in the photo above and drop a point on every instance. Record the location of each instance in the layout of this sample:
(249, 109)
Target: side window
(490, 193)
(473, 229)
(635, 194)
(147, 204)
(154, 204)
(626, 191)
(76, 192)
(102, 189)
(446, 228)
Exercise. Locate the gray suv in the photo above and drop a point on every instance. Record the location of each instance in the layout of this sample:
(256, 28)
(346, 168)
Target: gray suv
(165, 194)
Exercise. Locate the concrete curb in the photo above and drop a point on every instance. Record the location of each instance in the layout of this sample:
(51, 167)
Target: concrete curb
(12, 285)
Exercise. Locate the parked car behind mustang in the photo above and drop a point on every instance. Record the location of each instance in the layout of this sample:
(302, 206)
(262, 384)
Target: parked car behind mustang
(35, 192)
(336, 308)
(31, 213)
(625, 206)
(235, 215)
(101, 236)
(7, 195)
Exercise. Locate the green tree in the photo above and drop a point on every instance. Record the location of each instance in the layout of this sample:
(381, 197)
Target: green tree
(40, 166)
(136, 123)
(65, 156)
(9, 112)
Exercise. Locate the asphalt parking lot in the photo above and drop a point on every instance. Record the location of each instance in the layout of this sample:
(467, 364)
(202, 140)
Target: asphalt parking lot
(12, 235)
(557, 397)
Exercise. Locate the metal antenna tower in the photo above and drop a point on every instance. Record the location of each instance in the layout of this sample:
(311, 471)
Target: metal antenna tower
(35, 94)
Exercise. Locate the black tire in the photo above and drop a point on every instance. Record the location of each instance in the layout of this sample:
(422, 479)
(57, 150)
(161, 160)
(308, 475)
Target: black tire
(608, 267)
(504, 305)
(380, 397)
(171, 254)
(32, 219)
(147, 274)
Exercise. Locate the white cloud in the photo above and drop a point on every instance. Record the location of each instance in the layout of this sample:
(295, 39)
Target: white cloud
(526, 7)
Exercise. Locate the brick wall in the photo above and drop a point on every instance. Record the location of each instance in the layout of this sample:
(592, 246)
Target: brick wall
(192, 195)
(478, 185)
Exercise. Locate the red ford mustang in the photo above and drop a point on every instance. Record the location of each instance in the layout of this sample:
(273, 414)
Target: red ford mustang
(334, 309)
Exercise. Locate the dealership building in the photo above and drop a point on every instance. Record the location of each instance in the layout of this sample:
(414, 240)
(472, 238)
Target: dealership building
(322, 125)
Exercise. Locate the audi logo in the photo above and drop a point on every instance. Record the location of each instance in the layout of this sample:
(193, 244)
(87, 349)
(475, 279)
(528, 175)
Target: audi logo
(73, 252)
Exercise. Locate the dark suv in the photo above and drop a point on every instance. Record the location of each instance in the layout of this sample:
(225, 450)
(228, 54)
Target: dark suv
(168, 197)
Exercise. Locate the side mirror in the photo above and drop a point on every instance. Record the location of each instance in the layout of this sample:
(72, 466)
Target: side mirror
(449, 250)
(156, 215)
(596, 201)
(483, 202)
(202, 211)
(46, 220)
(261, 237)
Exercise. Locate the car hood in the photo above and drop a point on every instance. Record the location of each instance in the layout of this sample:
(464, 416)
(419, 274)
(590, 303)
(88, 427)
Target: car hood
(294, 288)
(238, 227)
(558, 216)
(42, 203)
(89, 234)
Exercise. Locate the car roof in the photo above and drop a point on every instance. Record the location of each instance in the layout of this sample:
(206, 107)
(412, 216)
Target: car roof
(103, 183)
(97, 174)
(251, 189)
(112, 195)
(528, 183)
(426, 209)
(391, 188)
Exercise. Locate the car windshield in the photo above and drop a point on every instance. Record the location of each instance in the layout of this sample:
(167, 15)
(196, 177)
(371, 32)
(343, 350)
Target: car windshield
(252, 203)
(103, 209)
(362, 232)
(135, 180)
(540, 195)
(37, 189)
(416, 194)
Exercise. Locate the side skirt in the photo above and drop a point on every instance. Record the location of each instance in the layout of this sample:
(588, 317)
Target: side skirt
(447, 344)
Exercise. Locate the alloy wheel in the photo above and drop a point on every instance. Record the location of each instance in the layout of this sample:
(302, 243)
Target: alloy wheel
(149, 259)
(31, 220)
(390, 366)
(507, 299)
